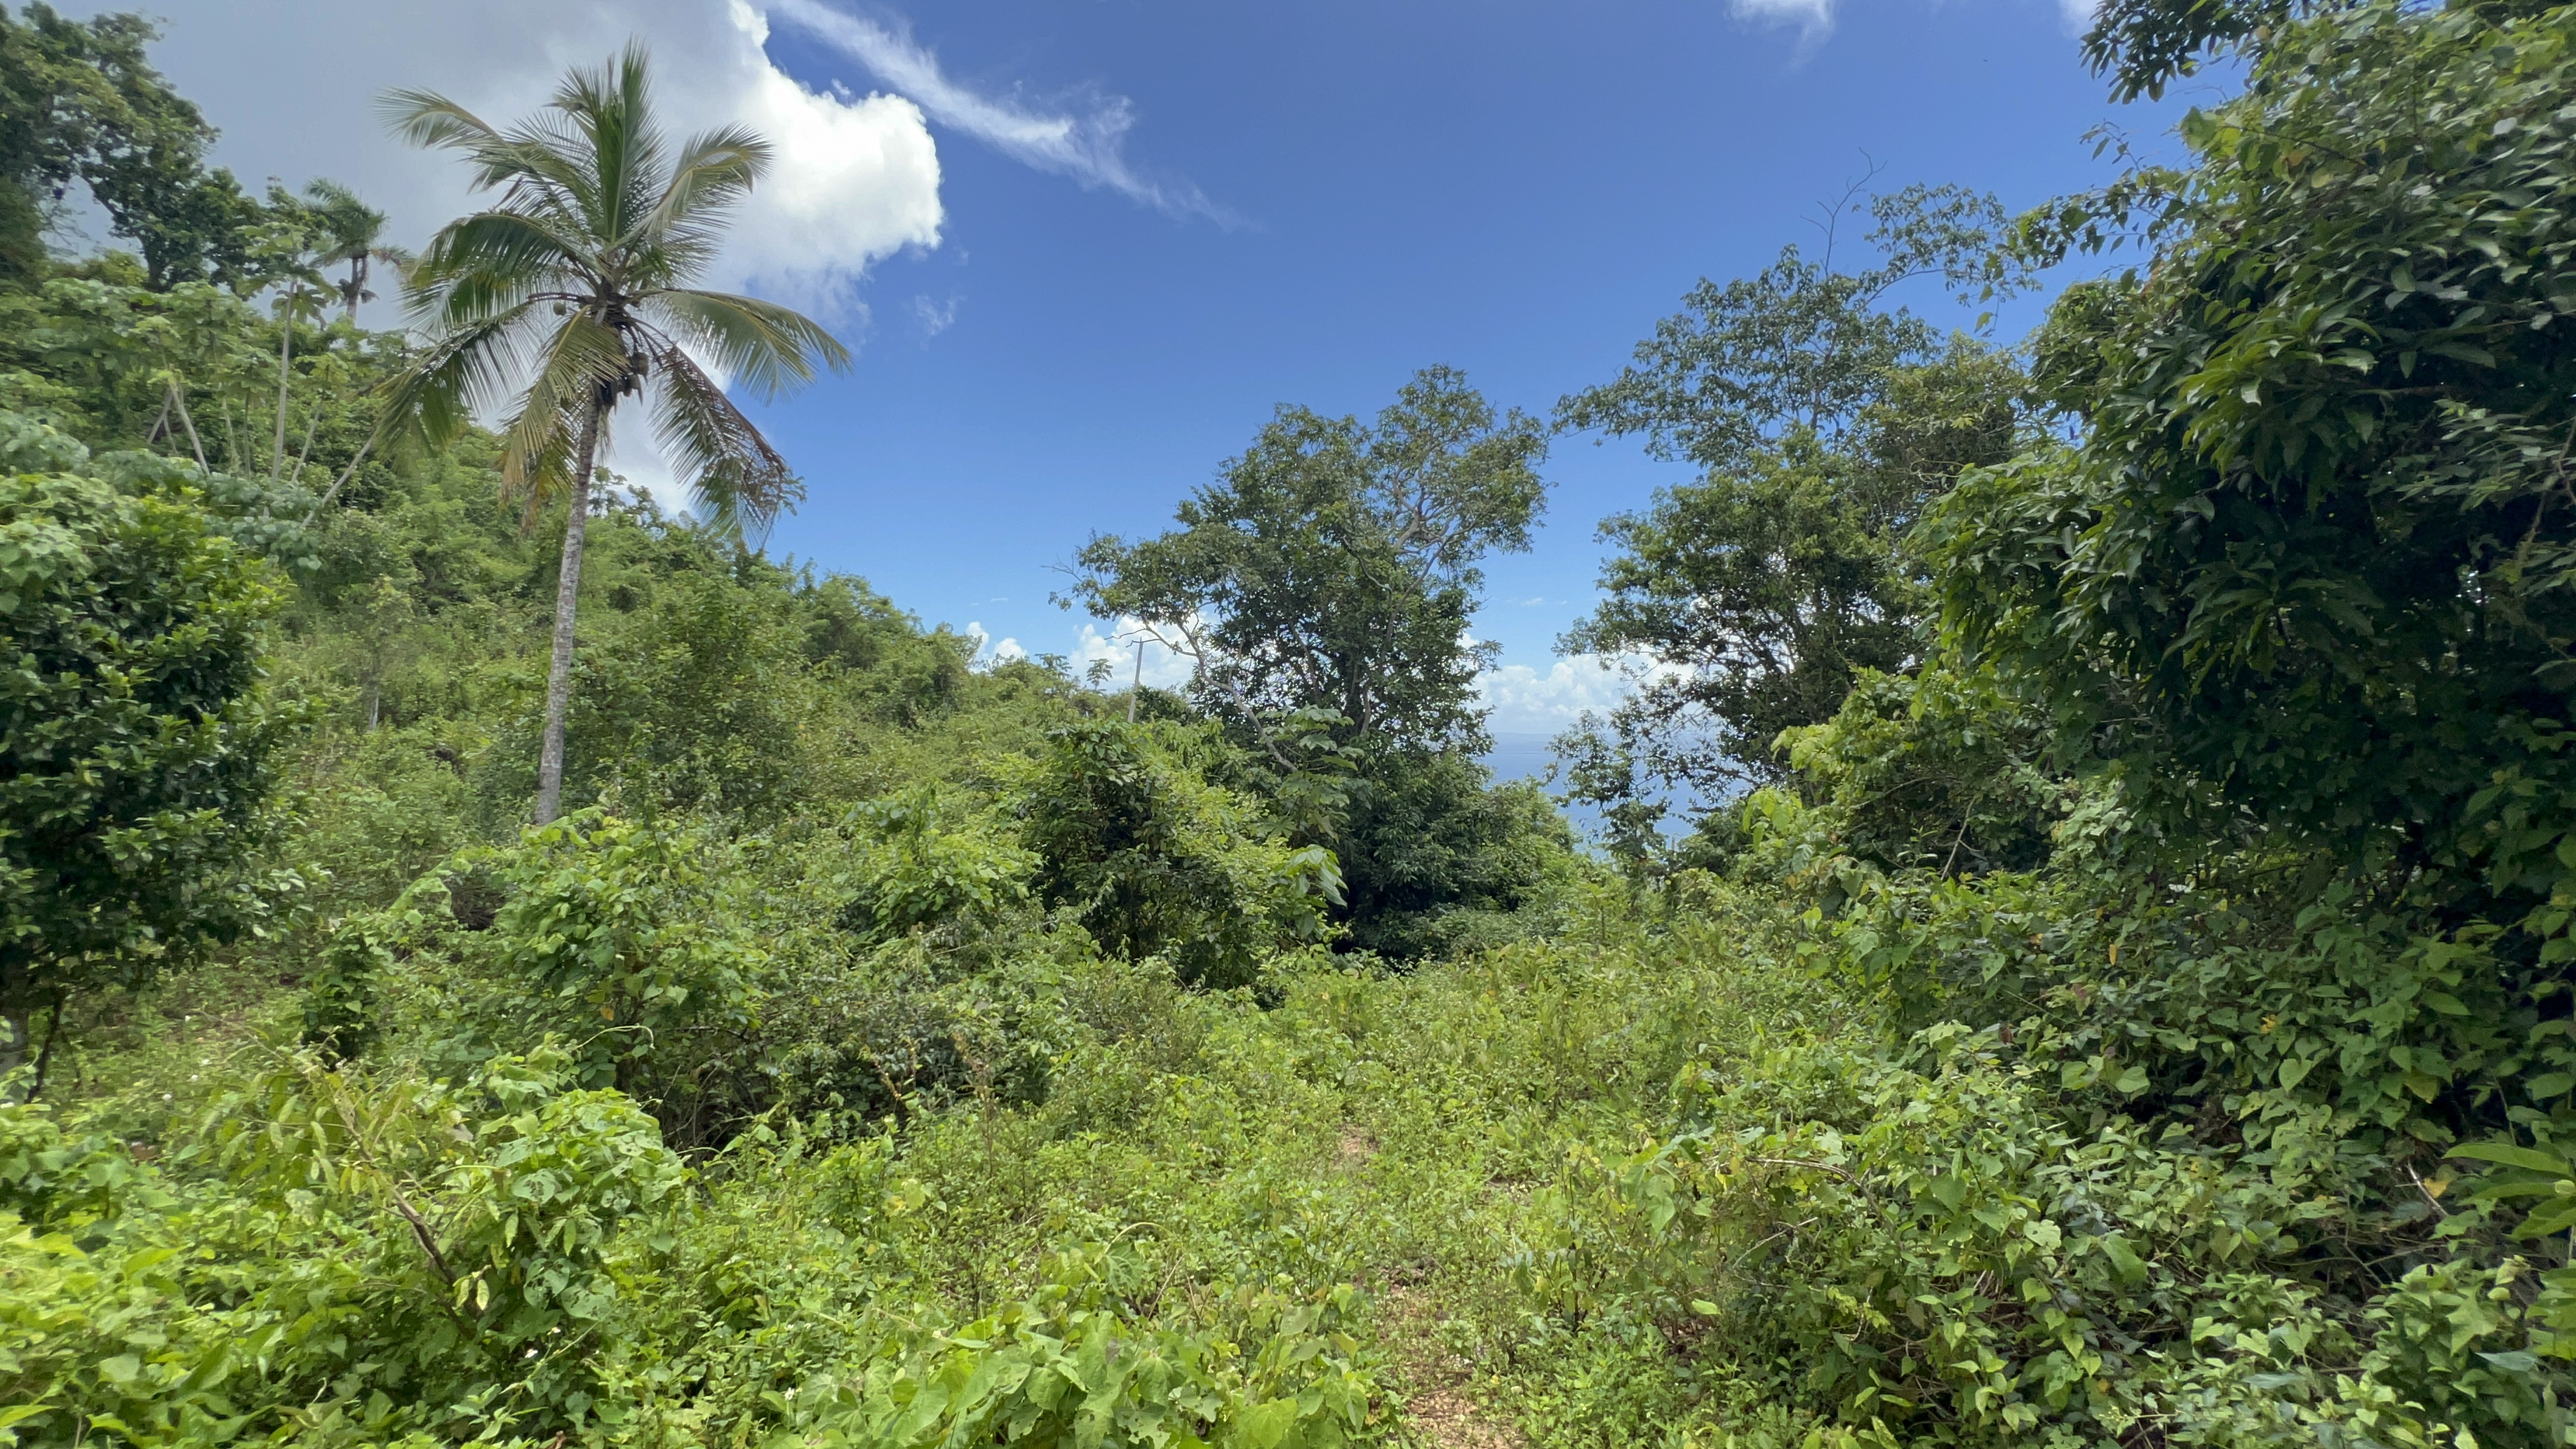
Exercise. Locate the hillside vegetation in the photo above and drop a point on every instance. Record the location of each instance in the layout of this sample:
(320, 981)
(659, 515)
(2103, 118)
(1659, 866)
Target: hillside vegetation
(487, 956)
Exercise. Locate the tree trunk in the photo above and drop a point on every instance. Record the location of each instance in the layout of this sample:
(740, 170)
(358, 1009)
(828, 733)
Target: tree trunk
(304, 454)
(567, 589)
(53, 1038)
(285, 374)
(196, 445)
(338, 483)
(17, 1033)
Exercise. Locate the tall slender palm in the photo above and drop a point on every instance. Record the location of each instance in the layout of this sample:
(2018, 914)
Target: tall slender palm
(351, 233)
(569, 295)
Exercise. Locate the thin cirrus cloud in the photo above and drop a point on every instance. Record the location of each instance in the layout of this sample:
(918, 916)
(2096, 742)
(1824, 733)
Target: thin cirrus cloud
(934, 317)
(1086, 143)
(1815, 19)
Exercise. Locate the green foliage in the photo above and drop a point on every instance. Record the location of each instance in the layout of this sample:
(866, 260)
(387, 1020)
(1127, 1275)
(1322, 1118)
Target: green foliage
(2134, 1015)
(916, 870)
(412, 1257)
(1066, 1367)
(136, 740)
(1153, 861)
(2250, 579)
(687, 707)
(1801, 346)
(621, 924)
(1334, 565)
(1935, 771)
(1973, 1269)
(562, 297)
(1825, 422)
(1322, 590)
(1436, 856)
(80, 101)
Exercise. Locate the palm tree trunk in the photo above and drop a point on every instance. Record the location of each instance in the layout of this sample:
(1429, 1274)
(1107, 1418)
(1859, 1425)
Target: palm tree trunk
(567, 589)
(285, 374)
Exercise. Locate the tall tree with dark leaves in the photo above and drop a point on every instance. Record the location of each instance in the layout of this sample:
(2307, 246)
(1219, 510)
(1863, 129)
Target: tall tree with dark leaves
(136, 738)
(2313, 569)
(1322, 588)
(1333, 567)
(1823, 418)
(80, 101)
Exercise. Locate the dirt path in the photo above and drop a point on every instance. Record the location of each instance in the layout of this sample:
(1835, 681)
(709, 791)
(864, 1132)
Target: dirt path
(1438, 1412)
(1437, 1409)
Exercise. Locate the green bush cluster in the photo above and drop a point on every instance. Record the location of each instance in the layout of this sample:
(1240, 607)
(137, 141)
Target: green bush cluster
(340, 1256)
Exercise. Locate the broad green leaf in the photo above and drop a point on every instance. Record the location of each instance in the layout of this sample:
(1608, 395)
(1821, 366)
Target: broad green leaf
(2507, 1154)
(1264, 1425)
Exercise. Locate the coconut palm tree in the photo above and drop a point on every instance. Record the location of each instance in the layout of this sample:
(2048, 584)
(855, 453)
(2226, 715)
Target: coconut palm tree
(351, 233)
(570, 294)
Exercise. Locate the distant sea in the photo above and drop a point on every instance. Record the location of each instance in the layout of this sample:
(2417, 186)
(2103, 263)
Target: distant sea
(1519, 755)
(1523, 755)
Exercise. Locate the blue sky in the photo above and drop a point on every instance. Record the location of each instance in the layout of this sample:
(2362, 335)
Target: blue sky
(1150, 223)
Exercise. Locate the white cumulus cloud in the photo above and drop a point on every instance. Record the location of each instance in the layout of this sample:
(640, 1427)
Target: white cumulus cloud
(293, 84)
(1116, 647)
(990, 651)
(854, 179)
(1523, 700)
(1526, 700)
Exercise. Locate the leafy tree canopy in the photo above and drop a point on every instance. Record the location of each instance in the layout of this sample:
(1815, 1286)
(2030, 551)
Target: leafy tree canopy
(136, 743)
(1824, 419)
(1333, 566)
(2314, 557)
(79, 100)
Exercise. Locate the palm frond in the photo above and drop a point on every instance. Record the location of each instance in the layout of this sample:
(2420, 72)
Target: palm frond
(761, 345)
(596, 215)
(579, 368)
(612, 109)
(493, 260)
(349, 225)
(430, 120)
(714, 170)
(456, 379)
(737, 481)
(679, 259)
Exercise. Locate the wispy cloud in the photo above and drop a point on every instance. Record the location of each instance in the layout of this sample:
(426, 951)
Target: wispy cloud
(1815, 19)
(1812, 17)
(934, 317)
(1086, 141)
